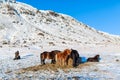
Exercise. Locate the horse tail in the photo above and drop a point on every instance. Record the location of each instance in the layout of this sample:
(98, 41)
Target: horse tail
(67, 59)
(56, 57)
(74, 61)
(41, 57)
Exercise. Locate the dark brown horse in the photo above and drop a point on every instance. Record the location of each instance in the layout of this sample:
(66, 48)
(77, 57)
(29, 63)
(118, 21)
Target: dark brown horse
(94, 59)
(17, 56)
(74, 56)
(48, 55)
(62, 57)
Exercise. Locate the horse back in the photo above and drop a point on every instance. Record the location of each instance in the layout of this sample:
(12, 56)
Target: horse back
(44, 55)
(53, 53)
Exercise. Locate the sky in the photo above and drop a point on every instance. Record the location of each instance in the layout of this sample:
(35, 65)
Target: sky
(103, 15)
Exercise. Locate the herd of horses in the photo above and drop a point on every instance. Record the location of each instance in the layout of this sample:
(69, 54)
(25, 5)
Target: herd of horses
(62, 57)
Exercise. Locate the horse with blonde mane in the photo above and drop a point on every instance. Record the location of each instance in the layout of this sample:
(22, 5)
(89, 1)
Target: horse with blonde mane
(62, 57)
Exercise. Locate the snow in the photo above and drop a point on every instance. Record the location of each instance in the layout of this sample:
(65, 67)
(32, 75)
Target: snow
(10, 69)
(32, 31)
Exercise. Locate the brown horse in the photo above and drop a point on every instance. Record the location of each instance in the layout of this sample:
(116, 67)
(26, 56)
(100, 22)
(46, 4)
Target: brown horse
(62, 57)
(94, 59)
(17, 56)
(49, 55)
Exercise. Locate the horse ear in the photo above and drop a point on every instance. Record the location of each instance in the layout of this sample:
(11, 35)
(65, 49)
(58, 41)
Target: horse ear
(97, 55)
(17, 51)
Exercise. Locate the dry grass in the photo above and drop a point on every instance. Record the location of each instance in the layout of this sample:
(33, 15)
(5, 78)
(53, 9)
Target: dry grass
(54, 67)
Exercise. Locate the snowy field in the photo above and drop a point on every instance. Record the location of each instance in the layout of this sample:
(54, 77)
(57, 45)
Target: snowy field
(107, 69)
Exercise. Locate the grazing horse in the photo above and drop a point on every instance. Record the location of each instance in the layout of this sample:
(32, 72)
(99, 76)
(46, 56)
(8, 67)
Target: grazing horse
(48, 55)
(74, 56)
(96, 58)
(54, 52)
(62, 57)
(17, 56)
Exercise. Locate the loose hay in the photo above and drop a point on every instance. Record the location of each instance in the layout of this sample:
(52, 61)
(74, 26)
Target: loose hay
(53, 67)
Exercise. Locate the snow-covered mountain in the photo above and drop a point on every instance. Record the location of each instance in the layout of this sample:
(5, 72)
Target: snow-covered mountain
(21, 24)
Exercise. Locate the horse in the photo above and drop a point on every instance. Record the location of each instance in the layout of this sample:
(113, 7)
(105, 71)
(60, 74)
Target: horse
(17, 56)
(54, 52)
(96, 58)
(48, 55)
(62, 57)
(74, 56)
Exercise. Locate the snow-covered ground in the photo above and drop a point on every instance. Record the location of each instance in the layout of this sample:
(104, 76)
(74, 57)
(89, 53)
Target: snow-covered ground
(107, 69)
(32, 31)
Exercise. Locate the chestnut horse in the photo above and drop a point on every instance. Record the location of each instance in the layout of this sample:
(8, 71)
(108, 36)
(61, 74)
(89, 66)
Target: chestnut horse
(62, 57)
(48, 55)
(94, 59)
(74, 56)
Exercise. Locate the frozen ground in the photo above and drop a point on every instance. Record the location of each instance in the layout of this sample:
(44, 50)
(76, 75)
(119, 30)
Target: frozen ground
(107, 69)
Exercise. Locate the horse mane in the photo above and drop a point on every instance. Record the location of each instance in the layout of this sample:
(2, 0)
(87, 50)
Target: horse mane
(75, 51)
(66, 52)
(74, 56)
(97, 56)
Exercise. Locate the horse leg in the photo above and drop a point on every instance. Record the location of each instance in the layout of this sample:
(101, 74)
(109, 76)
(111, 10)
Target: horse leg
(66, 61)
(74, 61)
(43, 61)
(61, 61)
(52, 61)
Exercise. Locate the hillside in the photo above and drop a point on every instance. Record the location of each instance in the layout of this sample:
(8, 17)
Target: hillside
(23, 25)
